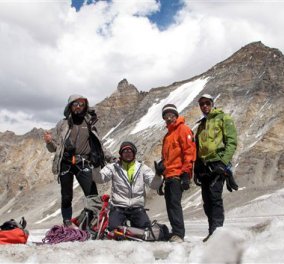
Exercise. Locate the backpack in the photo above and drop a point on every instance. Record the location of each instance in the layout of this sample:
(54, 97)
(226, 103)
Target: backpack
(12, 232)
(94, 217)
(156, 232)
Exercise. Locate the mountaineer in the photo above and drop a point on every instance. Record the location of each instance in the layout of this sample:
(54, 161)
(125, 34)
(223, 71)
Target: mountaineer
(216, 141)
(78, 150)
(129, 178)
(178, 156)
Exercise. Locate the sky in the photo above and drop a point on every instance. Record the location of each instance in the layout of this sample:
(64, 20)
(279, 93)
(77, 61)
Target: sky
(253, 233)
(51, 49)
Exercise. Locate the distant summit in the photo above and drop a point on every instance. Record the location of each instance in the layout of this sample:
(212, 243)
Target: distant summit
(121, 103)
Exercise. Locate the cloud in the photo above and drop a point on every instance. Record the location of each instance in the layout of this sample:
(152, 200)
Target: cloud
(19, 121)
(49, 51)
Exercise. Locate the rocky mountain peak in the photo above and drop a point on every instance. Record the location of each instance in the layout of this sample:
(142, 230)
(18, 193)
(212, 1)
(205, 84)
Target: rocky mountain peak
(253, 53)
(114, 109)
(35, 133)
(7, 134)
(123, 87)
(258, 48)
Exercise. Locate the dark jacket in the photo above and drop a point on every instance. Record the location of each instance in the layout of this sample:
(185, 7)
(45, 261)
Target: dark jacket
(63, 130)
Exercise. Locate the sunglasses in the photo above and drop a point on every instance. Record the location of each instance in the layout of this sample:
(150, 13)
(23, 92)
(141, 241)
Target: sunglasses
(169, 115)
(127, 150)
(76, 104)
(208, 103)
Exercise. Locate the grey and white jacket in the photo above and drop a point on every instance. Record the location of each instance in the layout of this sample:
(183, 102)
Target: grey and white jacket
(124, 193)
(62, 132)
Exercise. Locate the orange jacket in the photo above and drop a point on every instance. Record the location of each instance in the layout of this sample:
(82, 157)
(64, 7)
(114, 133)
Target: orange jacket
(179, 150)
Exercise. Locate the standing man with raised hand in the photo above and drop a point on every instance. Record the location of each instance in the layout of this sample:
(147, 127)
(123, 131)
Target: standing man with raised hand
(178, 156)
(216, 141)
(78, 151)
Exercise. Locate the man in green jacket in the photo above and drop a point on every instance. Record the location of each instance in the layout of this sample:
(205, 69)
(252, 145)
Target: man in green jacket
(216, 141)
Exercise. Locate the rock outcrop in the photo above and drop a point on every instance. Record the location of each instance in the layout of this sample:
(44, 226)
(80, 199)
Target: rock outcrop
(119, 107)
(25, 163)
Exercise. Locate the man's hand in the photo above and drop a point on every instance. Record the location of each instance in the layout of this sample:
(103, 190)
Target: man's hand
(110, 158)
(219, 168)
(160, 191)
(159, 167)
(47, 137)
(231, 183)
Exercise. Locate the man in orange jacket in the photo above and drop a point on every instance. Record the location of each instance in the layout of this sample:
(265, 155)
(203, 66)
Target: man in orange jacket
(178, 155)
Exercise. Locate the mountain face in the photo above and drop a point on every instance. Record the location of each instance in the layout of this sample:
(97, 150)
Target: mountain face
(25, 163)
(249, 85)
(119, 106)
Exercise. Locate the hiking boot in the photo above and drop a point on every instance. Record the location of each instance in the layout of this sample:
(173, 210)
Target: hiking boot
(206, 238)
(176, 239)
(67, 223)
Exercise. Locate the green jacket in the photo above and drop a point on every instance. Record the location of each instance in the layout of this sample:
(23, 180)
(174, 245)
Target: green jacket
(216, 137)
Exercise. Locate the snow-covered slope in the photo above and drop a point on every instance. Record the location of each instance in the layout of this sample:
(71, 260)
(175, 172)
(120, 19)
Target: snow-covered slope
(251, 235)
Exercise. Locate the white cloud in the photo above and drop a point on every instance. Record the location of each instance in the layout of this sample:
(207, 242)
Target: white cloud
(48, 51)
(20, 122)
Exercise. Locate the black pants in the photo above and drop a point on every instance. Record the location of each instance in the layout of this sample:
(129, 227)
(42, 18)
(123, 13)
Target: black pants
(66, 177)
(212, 190)
(173, 195)
(137, 217)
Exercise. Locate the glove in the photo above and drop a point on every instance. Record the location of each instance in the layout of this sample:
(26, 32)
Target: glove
(159, 167)
(185, 184)
(196, 180)
(110, 158)
(231, 183)
(160, 191)
(219, 168)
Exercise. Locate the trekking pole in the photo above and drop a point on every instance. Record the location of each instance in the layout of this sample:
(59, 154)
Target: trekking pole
(84, 220)
(87, 226)
(100, 228)
(92, 232)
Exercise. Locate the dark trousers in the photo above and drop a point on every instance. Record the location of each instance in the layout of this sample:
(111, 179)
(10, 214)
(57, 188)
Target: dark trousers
(212, 190)
(66, 177)
(137, 217)
(173, 195)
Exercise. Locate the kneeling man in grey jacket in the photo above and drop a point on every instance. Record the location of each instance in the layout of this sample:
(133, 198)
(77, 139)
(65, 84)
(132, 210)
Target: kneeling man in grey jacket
(129, 178)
